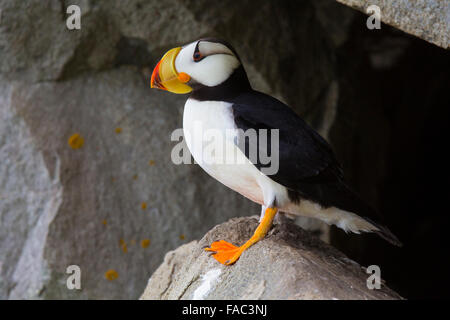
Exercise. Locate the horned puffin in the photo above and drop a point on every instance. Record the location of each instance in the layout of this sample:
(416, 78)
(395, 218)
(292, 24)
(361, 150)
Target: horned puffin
(309, 180)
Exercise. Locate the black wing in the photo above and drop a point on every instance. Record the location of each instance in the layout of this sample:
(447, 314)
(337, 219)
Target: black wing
(304, 156)
(307, 165)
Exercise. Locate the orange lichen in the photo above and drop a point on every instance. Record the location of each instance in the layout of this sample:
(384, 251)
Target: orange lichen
(135, 177)
(123, 245)
(143, 205)
(181, 236)
(118, 130)
(104, 222)
(111, 274)
(145, 243)
(76, 141)
(151, 162)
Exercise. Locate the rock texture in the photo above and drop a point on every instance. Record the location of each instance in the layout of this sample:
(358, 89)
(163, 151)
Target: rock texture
(426, 19)
(287, 264)
(93, 206)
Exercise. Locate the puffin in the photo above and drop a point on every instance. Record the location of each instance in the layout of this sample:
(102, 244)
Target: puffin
(307, 181)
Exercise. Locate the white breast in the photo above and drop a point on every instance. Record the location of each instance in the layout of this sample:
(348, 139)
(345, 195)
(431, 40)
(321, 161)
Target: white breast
(210, 131)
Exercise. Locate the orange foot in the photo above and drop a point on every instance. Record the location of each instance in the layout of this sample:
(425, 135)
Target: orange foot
(225, 252)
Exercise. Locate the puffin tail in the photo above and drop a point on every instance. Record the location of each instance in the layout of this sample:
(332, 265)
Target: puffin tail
(352, 202)
(384, 233)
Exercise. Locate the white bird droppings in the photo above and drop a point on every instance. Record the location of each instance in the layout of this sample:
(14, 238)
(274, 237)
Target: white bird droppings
(208, 280)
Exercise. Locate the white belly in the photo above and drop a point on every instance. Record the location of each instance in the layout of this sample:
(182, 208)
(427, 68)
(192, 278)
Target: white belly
(210, 131)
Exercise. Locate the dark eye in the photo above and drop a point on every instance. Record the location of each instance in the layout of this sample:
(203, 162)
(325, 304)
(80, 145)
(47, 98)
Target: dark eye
(197, 56)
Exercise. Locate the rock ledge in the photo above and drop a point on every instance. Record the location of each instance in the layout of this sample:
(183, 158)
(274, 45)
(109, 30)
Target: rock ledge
(289, 263)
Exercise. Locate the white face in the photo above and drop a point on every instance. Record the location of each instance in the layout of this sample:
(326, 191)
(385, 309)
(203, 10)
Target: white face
(210, 65)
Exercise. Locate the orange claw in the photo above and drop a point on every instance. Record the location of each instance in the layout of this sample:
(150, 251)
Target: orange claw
(225, 252)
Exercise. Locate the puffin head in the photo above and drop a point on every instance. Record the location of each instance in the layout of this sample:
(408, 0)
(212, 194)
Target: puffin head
(202, 66)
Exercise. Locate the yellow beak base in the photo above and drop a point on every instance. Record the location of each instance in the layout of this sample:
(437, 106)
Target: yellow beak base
(166, 77)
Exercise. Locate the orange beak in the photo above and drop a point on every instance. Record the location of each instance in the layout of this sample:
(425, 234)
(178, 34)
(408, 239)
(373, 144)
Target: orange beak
(166, 77)
(156, 80)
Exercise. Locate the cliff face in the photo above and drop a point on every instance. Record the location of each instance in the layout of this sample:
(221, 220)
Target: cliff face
(428, 20)
(86, 176)
(288, 264)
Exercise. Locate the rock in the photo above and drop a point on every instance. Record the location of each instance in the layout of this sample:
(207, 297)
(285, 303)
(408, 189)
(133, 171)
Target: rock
(62, 206)
(93, 206)
(288, 264)
(427, 19)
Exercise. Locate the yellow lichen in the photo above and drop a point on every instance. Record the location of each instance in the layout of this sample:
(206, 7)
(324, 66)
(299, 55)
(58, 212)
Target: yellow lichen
(123, 245)
(145, 243)
(135, 177)
(76, 141)
(151, 162)
(104, 222)
(143, 205)
(111, 274)
(181, 236)
(118, 130)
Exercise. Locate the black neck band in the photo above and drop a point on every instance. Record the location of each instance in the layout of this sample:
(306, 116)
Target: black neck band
(236, 84)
